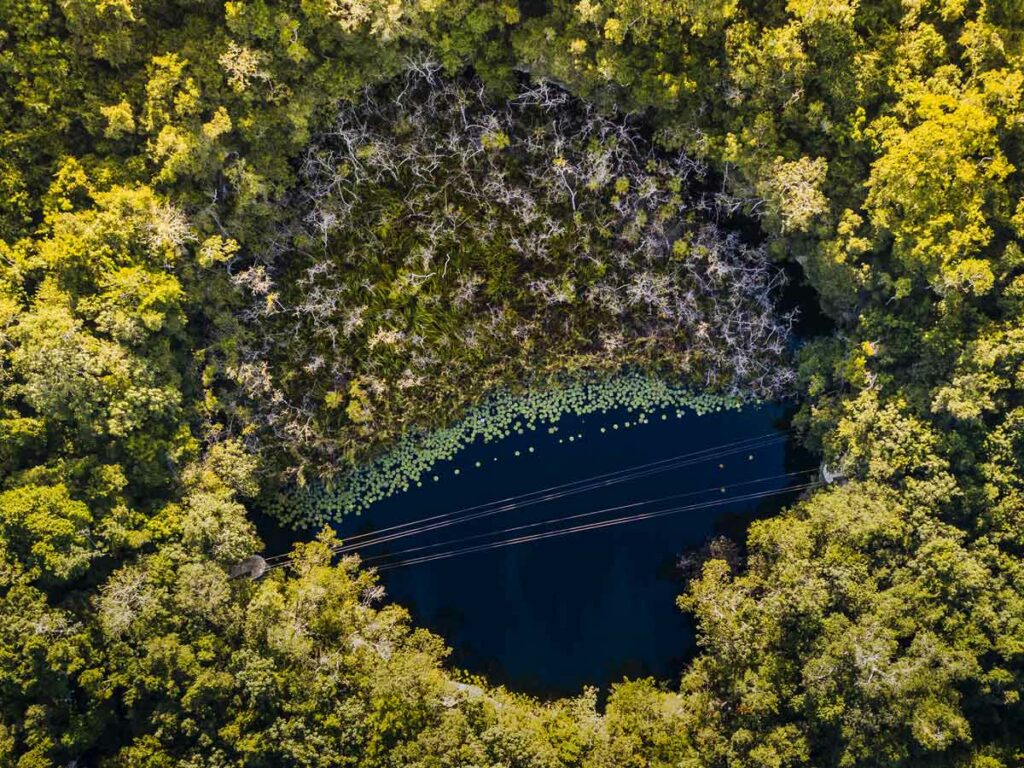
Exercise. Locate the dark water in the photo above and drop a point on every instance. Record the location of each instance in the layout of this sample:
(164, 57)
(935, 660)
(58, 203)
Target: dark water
(550, 616)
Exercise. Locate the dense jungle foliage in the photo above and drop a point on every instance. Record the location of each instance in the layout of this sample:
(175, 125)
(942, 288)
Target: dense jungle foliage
(150, 154)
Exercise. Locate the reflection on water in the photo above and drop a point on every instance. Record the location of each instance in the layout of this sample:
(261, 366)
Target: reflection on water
(553, 615)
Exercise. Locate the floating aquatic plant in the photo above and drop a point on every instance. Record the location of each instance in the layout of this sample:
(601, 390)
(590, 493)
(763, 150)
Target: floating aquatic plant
(415, 457)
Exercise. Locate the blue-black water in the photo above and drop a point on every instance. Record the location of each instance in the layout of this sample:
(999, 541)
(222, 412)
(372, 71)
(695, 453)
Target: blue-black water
(551, 616)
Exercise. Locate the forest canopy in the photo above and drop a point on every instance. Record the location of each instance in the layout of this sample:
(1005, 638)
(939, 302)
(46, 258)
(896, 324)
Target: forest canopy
(186, 184)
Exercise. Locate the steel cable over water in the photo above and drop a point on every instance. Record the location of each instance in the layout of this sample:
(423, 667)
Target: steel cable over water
(595, 526)
(589, 526)
(632, 505)
(434, 522)
(625, 476)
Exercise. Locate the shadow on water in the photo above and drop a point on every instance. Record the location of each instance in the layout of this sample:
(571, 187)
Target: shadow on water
(800, 296)
(551, 616)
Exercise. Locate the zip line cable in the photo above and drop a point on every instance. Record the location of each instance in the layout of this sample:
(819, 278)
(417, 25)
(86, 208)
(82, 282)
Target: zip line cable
(589, 526)
(435, 522)
(577, 486)
(349, 547)
(593, 526)
(631, 505)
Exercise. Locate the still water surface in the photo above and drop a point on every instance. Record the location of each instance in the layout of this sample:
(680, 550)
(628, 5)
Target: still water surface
(549, 617)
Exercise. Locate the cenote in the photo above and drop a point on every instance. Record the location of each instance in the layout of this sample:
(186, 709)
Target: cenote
(551, 616)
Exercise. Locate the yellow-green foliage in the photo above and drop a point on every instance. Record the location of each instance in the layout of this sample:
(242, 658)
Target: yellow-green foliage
(152, 166)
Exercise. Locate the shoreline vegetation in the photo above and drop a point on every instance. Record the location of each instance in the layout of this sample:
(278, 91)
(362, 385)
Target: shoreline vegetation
(500, 415)
(444, 243)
